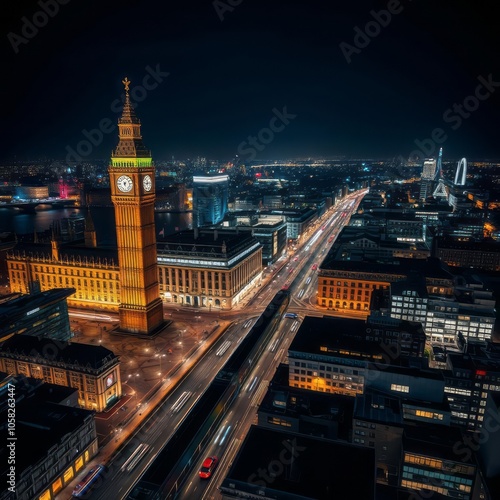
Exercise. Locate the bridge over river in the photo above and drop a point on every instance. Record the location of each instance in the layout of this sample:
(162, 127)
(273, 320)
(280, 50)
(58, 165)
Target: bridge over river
(30, 205)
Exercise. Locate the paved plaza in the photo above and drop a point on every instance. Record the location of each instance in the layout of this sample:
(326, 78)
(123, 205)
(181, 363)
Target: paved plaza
(147, 364)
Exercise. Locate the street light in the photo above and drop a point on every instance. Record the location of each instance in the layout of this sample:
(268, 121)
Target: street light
(133, 391)
(160, 356)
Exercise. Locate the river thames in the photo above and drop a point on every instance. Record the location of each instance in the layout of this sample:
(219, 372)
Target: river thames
(103, 217)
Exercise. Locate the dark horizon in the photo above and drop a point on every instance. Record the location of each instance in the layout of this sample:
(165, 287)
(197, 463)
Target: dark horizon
(305, 81)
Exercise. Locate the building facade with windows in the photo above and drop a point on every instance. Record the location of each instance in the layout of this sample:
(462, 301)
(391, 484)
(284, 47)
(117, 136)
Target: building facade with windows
(348, 285)
(55, 443)
(472, 375)
(93, 272)
(347, 363)
(214, 269)
(483, 255)
(431, 465)
(270, 231)
(298, 222)
(467, 311)
(93, 370)
(378, 423)
(209, 268)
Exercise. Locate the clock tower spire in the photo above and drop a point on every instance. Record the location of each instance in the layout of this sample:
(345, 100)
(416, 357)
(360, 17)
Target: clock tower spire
(131, 175)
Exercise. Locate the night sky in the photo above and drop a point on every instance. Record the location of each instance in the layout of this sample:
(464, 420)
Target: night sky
(228, 78)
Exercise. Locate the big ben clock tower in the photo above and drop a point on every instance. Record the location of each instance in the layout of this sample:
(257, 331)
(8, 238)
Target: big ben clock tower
(132, 179)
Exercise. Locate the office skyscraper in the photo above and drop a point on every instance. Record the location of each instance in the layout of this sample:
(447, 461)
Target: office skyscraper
(210, 194)
(427, 178)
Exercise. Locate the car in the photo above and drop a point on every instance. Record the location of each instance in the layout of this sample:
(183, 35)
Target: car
(207, 467)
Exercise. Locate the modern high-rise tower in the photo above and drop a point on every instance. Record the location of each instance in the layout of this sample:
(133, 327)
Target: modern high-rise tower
(427, 178)
(132, 179)
(429, 169)
(210, 194)
(439, 167)
(461, 173)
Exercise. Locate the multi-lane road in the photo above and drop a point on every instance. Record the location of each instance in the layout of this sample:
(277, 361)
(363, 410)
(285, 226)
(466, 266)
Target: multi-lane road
(299, 275)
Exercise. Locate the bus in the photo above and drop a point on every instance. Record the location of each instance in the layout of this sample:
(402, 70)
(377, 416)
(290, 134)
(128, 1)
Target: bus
(83, 487)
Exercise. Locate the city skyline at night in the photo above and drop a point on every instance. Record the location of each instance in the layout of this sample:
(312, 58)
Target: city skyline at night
(250, 249)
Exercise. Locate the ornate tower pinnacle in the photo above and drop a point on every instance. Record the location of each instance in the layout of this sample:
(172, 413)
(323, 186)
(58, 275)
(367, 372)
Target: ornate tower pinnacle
(130, 151)
(126, 82)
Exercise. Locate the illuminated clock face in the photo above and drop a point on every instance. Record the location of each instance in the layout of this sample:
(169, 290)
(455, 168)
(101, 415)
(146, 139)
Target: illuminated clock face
(109, 381)
(124, 183)
(147, 184)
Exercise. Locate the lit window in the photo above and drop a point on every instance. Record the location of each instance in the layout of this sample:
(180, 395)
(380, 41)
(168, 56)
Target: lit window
(400, 388)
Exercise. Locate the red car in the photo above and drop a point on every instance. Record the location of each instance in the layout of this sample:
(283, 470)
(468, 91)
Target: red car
(208, 466)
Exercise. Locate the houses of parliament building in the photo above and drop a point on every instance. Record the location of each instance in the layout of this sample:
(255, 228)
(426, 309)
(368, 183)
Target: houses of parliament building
(132, 279)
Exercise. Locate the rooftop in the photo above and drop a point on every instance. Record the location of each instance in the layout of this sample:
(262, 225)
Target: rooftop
(48, 351)
(68, 251)
(213, 243)
(375, 406)
(433, 440)
(485, 245)
(430, 267)
(19, 306)
(294, 402)
(287, 465)
(336, 336)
